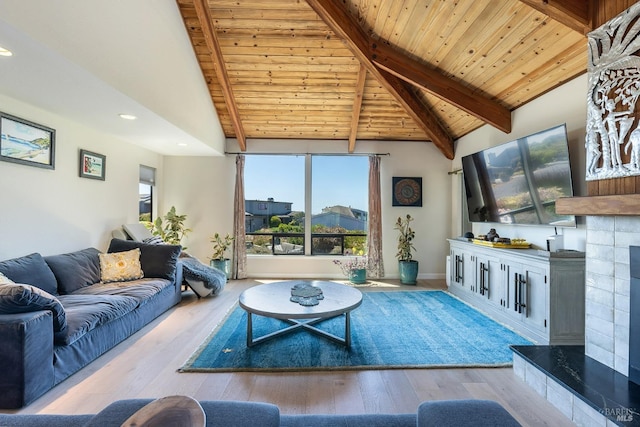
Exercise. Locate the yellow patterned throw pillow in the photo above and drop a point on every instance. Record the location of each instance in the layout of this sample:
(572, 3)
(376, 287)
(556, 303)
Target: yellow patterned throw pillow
(120, 266)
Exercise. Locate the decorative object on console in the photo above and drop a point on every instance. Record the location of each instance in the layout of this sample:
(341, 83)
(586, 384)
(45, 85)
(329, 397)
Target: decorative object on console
(92, 165)
(406, 264)
(612, 127)
(26, 142)
(407, 191)
(492, 235)
(218, 259)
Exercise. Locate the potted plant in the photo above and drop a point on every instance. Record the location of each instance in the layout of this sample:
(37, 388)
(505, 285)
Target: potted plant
(407, 265)
(218, 259)
(355, 269)
(172, 230)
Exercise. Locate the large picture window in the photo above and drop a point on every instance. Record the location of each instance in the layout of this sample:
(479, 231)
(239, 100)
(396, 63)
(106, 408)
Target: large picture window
(306, 204)
(274, 204)
(339, 200)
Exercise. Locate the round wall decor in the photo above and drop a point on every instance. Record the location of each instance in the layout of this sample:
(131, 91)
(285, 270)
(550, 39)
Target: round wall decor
(407, 191)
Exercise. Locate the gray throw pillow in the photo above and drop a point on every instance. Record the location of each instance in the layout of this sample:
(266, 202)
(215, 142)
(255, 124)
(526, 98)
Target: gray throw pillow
(75, 270)
(21, 298)
(30, 269)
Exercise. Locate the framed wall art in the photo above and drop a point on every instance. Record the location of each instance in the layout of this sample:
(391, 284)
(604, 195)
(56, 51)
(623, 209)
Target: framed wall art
(92, 165)
(407, 191)
(26, 142)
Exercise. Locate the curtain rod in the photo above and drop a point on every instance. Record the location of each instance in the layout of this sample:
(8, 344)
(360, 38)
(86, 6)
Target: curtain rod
(304, 154)
(454, 172)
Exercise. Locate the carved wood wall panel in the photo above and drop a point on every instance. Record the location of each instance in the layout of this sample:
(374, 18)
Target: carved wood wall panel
(613, 131)
(603, 11)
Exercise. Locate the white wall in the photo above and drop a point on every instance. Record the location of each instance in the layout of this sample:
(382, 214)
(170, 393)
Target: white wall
(566, 104)
(202, 188)
(56, 211)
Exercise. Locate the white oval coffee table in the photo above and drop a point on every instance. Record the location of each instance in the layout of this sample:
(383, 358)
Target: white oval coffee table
(273, 300)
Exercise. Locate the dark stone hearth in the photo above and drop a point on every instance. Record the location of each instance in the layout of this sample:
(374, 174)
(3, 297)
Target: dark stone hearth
(605, 389)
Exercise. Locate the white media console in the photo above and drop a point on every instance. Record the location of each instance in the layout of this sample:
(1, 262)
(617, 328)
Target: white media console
(539, 294)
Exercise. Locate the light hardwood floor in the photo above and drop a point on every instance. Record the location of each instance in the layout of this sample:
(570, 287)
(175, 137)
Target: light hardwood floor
(146, 364)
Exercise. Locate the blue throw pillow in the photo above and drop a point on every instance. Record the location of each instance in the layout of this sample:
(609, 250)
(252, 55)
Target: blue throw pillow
(30, 269)
(156, 260)
(75, 270)
(20, 298)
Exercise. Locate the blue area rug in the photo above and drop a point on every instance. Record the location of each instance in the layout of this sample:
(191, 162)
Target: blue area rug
(390, 330)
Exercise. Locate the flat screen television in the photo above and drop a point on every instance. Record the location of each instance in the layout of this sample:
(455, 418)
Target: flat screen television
(519, 182)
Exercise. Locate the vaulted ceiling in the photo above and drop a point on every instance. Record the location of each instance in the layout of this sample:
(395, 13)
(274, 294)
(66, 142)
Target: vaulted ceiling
(400, 70)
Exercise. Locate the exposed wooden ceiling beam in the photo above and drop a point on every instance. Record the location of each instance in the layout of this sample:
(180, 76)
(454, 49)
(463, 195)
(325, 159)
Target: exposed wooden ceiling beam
(575, 14)
(357, 105)
(343, 24)
(204, 16)
(443, 87)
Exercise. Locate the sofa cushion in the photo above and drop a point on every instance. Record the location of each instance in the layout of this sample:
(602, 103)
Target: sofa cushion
(75, 270)
(87, 312)
(120, 266)
(32, 270)
(156, 260)
(141, 290)
(219, 413)
(20, 298)
(466, 412)
(351, 420)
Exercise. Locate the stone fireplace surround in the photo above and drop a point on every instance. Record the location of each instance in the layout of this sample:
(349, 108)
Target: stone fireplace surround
(590, 384)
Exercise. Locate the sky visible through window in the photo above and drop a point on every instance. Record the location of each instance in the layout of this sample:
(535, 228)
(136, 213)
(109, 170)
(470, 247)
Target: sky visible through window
(338, 180)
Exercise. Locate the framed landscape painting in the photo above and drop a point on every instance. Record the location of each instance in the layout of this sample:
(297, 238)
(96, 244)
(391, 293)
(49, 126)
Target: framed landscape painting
(26, 142)
(92, 165)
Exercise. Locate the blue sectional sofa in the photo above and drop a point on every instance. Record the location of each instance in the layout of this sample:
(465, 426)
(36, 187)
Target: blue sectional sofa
(458, 413)
(58, 313)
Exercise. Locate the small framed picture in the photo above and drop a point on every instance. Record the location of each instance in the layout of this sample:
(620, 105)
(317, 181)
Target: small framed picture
(26, 142)
(92, 165)
(407, 191)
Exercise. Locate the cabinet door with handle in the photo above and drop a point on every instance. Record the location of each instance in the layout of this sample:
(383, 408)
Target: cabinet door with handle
(527, 294)
(462, 269)
(536, 294)
(489, 279)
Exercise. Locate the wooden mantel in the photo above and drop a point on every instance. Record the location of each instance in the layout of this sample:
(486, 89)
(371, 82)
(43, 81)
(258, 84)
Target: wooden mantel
(619, 204)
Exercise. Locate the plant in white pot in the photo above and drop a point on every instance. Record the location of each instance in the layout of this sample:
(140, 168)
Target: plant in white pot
(407, 265)
(218, 259)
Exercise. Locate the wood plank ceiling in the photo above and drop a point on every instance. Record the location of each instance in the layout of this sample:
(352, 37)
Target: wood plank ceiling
(396, 70)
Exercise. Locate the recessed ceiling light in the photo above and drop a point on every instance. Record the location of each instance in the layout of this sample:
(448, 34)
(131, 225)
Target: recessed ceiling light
(128, 116)
(182, 144)
(5, 52)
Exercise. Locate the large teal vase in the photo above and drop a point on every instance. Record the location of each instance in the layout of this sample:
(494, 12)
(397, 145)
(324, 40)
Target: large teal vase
(222, 264)
(358, 276)
(408, 272)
